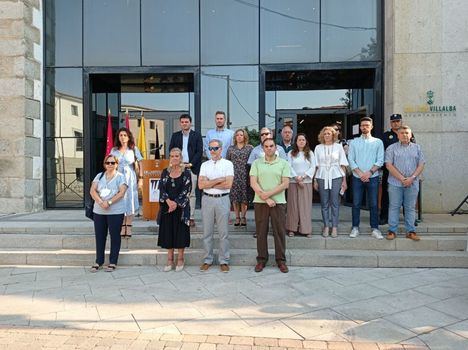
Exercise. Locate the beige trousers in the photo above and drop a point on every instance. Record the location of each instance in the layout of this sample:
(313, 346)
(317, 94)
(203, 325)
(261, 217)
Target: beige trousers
(299, 209)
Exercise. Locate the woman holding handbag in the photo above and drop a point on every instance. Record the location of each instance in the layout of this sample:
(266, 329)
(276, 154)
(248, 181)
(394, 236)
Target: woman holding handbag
(128, 155)
(108, 189)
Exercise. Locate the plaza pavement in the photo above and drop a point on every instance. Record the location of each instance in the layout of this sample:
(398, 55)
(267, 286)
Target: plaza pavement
(314, 308)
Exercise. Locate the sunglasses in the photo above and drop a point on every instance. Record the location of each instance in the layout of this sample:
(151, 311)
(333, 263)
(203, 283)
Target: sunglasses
(264, 133)
(110, 163)
(213, 149)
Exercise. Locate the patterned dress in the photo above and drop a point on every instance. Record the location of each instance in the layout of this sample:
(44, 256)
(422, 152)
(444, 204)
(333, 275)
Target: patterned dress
(127, 167)
(174, 228)
(240, 191)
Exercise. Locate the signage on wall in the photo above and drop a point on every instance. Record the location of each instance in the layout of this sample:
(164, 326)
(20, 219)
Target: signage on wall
(430, 108)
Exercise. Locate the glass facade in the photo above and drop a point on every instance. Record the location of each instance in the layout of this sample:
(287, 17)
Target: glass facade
(228, 48)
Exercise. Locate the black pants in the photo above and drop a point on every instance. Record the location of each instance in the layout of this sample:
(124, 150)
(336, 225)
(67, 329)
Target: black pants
(384, 201)
(102, 224)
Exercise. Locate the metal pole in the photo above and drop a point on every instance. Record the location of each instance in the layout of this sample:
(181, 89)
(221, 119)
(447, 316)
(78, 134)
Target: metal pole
(228, 114)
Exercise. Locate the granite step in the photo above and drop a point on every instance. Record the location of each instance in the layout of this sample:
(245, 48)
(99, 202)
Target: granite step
(441, 242)
(246, 257)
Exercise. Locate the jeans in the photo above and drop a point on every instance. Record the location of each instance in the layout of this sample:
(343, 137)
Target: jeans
(399, 196)
(330, 201)
(372, 188)
(102, 224)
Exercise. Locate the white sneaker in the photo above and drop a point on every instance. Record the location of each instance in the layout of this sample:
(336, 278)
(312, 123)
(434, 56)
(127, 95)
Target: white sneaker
(354, 232)
(376, 234)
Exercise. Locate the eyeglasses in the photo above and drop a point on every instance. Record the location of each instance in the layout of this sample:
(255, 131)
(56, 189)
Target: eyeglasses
(264, 133)
(213, 149)
(110, 163)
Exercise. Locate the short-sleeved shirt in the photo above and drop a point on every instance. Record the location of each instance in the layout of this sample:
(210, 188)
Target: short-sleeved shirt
(406, 158)
(270, 175)
(108, 189)
(258, 152)
(215, 169)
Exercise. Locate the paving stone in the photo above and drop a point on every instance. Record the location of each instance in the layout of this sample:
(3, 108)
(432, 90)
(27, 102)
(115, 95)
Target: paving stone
(365, 346)
(216, 339)
(290, 343)
(242, 341)
(172, 337)
(333, 345)
(194, 338)
(207, 346)
(390, 346)
(190, 346)
(155, 345)
(265, 342)
(224, 347)
(314, 344)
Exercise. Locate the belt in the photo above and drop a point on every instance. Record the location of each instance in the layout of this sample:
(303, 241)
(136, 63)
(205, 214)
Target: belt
(215, 195)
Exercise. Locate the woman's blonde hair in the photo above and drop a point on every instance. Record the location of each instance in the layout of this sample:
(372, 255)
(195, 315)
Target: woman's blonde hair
(246, 137)
(328, 128)
(107, 157)
(176, 149)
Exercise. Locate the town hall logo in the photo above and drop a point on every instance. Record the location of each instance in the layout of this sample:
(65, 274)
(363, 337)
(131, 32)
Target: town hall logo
(436, 108)
(430, 108)
(430, 96)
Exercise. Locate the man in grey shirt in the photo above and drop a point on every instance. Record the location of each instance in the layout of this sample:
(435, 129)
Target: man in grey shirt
(405, 162)
(257, 152)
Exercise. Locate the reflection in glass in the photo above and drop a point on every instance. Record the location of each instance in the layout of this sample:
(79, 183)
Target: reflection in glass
(63, 32)
(111, 32)
(232, 89)
(349, 30)
(289, 31)
(169, 32)
(64, 137)
(310, 99)
(229, 31)
(161, 112)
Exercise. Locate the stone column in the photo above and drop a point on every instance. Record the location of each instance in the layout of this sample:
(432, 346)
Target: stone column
(20, 106)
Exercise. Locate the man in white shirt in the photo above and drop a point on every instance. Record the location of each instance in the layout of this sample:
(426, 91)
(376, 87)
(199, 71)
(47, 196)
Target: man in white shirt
(257, 152)
(215, 180)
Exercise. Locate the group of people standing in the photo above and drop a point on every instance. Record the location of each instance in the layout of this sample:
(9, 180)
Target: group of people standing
(280, 178)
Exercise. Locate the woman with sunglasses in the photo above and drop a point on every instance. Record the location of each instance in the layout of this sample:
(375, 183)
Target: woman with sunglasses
(108, 190)
(174, 211)
(128, 156)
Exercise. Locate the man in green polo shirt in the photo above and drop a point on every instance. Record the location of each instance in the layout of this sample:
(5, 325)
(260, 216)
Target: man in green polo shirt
(269, 178)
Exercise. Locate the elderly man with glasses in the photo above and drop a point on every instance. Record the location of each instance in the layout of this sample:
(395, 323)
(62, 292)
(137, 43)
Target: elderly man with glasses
(258, 152)
(215, 180)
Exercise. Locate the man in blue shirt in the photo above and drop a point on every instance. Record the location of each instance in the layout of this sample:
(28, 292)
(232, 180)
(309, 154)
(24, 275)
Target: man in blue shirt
(220, 133)
(366, 157)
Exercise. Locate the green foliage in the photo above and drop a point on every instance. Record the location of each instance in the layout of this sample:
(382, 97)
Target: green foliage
(254, 136)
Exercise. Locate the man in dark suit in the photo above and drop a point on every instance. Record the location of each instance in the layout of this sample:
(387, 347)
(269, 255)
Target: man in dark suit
(191, 144)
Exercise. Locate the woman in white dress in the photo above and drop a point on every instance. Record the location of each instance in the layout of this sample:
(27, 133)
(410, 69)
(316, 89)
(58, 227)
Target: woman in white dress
(330, 178)
(128, 156)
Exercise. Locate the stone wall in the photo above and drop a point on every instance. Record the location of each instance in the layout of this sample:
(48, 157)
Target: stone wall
(427, 50)
(20, 106)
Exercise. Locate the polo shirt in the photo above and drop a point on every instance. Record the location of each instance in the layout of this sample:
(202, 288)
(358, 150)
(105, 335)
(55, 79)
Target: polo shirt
(214, 169)
(269, 175)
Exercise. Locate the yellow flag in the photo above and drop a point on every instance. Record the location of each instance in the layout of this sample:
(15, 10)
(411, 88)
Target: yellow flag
(141, 144)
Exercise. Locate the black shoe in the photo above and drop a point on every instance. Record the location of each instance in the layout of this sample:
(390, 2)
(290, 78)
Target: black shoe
(383, 221)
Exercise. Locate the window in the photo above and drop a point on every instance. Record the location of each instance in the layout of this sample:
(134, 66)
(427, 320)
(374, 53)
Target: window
(152, 125)
(74, 110)
(79, 141)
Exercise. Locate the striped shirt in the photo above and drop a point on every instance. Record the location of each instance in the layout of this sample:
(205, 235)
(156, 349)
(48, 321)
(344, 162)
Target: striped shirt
(406, 159)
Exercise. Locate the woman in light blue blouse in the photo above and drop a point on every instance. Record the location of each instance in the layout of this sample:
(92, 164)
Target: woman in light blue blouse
(128, 156)
(108, 190)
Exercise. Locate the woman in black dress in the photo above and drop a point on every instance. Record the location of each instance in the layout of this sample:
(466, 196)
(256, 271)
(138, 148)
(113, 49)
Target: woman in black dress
(174, 212)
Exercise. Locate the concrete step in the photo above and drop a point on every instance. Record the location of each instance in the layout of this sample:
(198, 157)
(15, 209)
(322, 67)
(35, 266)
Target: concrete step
(29, 241)
(246, 257)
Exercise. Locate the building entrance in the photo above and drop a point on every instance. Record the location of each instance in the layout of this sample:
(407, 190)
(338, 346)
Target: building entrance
(152, 103)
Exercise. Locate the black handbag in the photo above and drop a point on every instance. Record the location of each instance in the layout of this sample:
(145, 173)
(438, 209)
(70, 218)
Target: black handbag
(90, 206)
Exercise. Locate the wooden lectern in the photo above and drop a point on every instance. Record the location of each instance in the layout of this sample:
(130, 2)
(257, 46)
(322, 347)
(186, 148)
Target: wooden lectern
(152, 170)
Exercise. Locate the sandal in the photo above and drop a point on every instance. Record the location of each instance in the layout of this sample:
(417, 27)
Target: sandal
(168, 266)
(243, 221)
(123, 231)
(291, 234)
(128, 235)
(111, 268)
(180, 265)
(309, 235)
(95, 268)
(237, 223)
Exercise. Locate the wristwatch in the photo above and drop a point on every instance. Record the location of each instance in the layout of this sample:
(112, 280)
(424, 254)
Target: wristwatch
(110, 202)
(372, 171)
